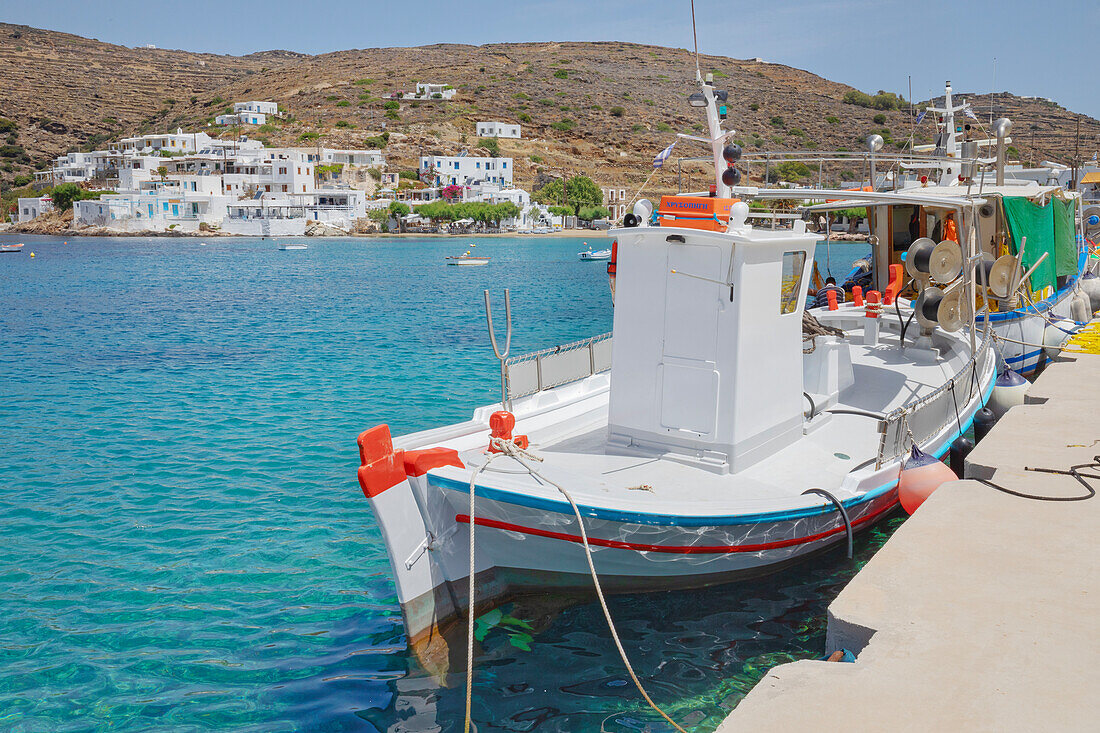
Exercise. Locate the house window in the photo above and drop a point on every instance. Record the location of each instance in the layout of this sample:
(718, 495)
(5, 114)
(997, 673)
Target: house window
(284, 188)
(282, 171)
(267, 188)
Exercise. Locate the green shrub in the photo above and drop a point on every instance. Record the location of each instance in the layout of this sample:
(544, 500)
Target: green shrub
(564, 125)
(777, 121)
(392, 115)
(664, 127)
(491, 144)
(332, 97)
(796, 132)
(391, 104)
(636, 127)
(523, 117)
(345, 124)
(546, 102)
(22, 180)
(617, 111)
(343, 103)
(535, 159)
(364, 82)
(719, 74)
(378, 141)
(409, 175)
(754, 107)
(879, 119)
(268, 127)
(832, 120)
(561, 74)
(309, 136)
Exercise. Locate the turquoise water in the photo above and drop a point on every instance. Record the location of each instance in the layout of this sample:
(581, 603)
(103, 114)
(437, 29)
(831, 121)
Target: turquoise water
(184, 542)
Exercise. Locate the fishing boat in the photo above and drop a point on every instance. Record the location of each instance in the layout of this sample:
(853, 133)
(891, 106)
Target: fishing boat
(1032, 239)
(466, 259)
(716, 433)
(590, 256)
(11, 248)
(288, 246)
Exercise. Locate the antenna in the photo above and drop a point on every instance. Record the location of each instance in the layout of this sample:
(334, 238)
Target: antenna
(993, 91)
(695, 38)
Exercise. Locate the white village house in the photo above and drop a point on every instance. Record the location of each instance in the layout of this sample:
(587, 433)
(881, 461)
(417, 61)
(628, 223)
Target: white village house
(29, 208)
(466, 170)
(498, 129)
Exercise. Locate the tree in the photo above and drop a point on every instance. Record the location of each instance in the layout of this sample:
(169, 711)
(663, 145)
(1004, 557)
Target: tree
(580, 191)
(65, 194)
(162, 171)
(490, 144)
(588, 213)
(398, 209)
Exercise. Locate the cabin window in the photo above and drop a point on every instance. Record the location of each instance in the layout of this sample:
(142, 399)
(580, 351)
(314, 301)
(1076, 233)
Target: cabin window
(794, 264)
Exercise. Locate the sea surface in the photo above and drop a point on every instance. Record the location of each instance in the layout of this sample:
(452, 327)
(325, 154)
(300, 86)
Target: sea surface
(183, 543)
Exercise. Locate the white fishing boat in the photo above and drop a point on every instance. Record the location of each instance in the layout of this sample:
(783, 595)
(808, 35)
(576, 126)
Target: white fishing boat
(11, 247)
(288, 246)
(590, 256)
(716, 433)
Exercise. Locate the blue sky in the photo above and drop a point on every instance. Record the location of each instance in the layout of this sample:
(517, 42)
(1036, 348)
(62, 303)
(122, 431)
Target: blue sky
(1042, 48)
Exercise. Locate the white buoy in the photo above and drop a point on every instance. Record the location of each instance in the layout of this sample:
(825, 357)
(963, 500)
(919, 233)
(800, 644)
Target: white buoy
(1055, 335)
(1008, 391)
(1080, 308)
(1090, 287)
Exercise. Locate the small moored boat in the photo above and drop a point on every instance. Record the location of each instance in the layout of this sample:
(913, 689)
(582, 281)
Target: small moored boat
(590, 256)
(11, 248)
(467, 259)
(286, 246)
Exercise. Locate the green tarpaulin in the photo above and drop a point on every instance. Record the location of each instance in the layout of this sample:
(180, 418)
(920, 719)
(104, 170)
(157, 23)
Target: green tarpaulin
(1048, 229)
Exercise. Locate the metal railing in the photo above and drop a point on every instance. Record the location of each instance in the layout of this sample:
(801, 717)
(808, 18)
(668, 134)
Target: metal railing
(528, 374)
(923, 418)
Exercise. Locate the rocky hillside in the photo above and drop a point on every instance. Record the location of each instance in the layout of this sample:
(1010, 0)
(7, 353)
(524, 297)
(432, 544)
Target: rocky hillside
(64, 92)
(603, 109)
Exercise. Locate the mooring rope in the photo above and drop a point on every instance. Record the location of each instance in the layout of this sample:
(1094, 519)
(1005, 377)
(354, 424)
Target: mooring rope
(513, 451)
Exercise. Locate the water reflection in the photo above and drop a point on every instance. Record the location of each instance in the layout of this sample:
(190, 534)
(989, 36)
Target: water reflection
(697, 652)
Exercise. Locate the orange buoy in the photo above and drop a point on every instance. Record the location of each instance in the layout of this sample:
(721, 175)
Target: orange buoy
(921, 474)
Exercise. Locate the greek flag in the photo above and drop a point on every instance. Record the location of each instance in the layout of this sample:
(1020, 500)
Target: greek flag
(970, 113)
(920, 117)
(663, 156)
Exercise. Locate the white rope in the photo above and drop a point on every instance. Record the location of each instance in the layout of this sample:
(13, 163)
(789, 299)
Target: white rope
(513, 451)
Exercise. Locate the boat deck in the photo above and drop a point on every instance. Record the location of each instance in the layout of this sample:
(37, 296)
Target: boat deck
(836, 451)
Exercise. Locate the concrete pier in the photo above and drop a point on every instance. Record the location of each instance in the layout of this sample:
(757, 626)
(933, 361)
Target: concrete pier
(980, 613)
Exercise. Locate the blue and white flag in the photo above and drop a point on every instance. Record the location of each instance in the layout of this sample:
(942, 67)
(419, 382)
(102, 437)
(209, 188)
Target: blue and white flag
(970, 113)
(663, 156)
(920, 117)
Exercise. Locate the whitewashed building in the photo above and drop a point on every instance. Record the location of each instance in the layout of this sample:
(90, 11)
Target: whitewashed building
(426, 90)
(159, 208)
(498, 129)
(241, 118)
(466, 170)
(29, 208)
(259, 108)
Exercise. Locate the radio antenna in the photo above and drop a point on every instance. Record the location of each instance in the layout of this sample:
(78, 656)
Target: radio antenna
(695, 38)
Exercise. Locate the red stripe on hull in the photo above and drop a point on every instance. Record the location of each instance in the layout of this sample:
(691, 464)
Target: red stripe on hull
(676, 549)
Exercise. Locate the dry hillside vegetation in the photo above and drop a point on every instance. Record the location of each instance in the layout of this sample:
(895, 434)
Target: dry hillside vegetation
(602, 109)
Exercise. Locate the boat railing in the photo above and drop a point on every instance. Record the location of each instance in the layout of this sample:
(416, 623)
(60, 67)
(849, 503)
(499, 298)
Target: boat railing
(924, 418)
(528, 374)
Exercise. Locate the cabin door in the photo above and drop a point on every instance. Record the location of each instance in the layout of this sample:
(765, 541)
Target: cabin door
(688, 376)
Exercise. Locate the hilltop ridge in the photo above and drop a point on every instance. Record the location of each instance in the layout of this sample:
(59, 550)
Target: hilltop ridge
(599, 108)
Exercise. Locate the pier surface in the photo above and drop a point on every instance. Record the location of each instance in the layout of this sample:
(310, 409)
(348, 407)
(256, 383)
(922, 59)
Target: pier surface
(980, 613)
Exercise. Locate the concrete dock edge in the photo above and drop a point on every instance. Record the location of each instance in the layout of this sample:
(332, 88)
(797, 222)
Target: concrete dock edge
(980, 613)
